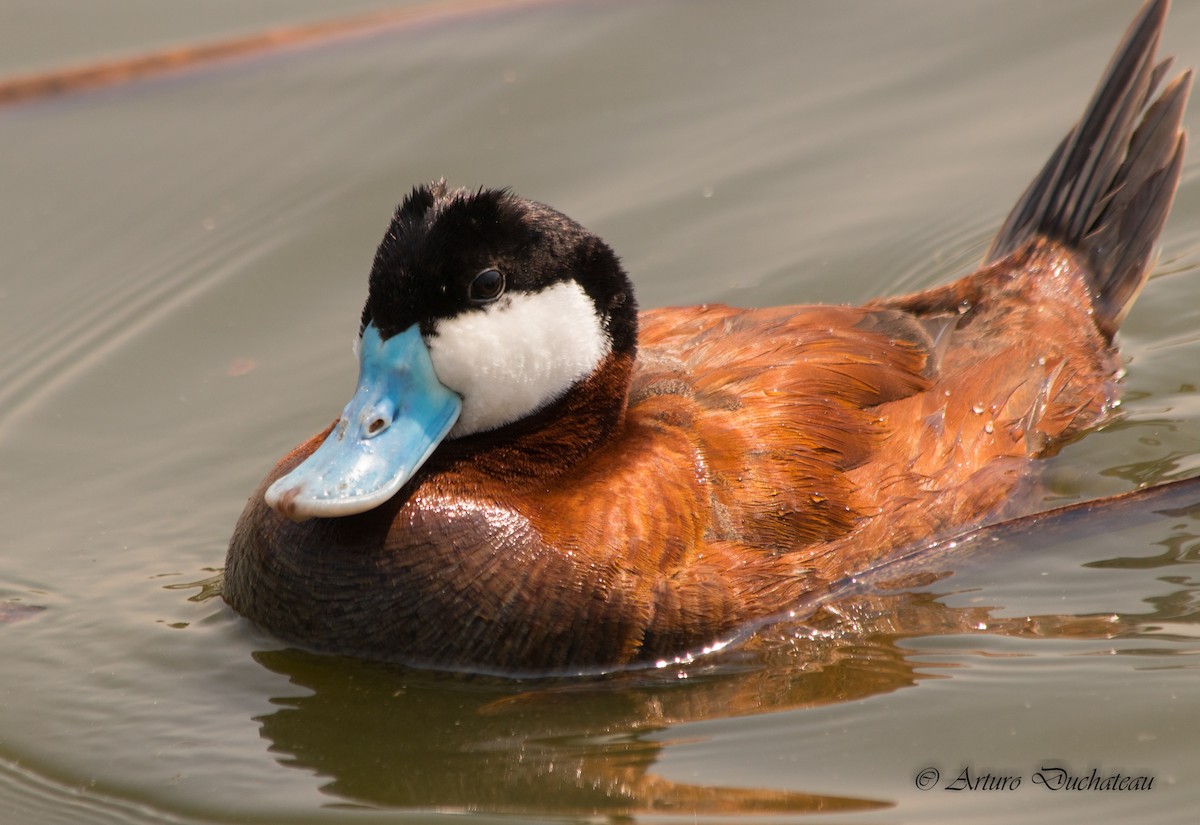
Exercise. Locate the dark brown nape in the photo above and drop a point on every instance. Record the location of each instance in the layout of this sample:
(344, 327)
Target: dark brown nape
(553, 440)
(1106, 191)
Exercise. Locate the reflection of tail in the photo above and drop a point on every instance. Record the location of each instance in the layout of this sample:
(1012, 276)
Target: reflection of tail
(1106, 190)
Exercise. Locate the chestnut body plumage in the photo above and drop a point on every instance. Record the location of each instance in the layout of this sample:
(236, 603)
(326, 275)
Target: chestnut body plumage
(667, 477)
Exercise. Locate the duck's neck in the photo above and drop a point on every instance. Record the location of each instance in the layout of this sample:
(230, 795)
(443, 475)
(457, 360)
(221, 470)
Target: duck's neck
(553, 440)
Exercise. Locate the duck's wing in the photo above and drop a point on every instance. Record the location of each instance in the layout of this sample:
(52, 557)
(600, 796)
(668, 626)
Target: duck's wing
(781, 403)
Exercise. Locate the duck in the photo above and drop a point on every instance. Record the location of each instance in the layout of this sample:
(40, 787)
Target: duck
(533, 476)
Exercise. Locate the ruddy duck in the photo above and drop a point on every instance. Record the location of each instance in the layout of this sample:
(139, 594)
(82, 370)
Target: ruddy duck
(533, 476)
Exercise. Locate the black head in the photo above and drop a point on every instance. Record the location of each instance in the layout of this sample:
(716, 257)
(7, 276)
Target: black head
(454, 251)
(516, 302)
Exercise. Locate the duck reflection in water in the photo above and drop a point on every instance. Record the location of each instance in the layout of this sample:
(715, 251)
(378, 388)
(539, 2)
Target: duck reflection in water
(384, 736)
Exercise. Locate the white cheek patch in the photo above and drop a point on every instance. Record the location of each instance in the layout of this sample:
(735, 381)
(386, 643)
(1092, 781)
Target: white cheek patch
(517, 355)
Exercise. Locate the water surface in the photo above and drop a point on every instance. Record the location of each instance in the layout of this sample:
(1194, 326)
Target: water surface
(182, 263)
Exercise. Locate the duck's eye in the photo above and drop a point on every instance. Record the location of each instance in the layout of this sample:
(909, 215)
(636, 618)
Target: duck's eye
(487, 286)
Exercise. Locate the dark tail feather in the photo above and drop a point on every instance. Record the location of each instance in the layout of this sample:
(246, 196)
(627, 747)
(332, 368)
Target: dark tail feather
(1107, 189)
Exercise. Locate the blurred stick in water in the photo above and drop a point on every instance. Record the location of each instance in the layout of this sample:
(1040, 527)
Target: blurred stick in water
(123, 70)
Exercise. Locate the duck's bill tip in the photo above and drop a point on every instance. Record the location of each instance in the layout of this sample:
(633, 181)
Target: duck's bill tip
(297, 500)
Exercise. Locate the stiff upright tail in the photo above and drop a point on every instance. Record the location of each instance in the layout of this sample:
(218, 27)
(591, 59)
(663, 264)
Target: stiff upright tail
(1107, 189)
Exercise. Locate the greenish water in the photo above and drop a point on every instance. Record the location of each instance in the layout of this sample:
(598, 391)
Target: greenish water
(182, 263)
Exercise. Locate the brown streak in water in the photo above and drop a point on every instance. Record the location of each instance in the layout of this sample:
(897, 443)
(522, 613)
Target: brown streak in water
(137, 67)
(16, 611)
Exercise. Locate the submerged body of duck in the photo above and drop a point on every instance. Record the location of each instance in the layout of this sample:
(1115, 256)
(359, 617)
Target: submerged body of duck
(533, 476)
